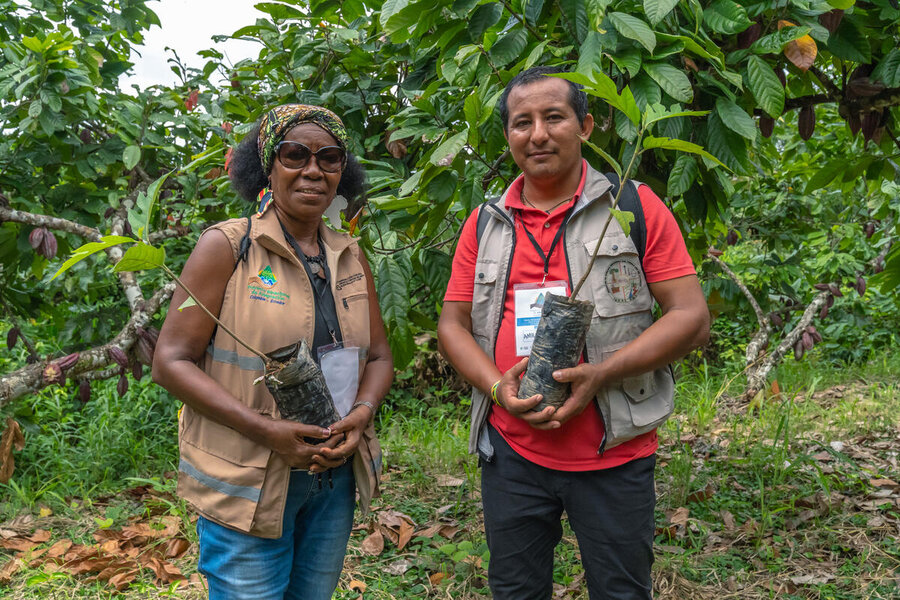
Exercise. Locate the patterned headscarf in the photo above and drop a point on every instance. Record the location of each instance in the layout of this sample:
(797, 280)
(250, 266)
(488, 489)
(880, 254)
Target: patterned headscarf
(277, 122)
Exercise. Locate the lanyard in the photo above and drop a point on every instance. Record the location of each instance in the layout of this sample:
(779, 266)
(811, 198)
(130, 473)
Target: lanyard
(556, 238)
(320, 293)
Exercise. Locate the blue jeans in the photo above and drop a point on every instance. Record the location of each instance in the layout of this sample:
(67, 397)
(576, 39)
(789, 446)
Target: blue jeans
(304, 563)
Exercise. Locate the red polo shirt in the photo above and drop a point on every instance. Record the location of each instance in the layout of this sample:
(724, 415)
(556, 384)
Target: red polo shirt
(572, 447)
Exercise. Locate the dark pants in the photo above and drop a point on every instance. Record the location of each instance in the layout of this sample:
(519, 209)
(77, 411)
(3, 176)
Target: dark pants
(610, 511)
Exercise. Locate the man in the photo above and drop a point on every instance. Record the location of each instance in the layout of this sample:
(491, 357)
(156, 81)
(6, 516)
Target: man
(593, 457)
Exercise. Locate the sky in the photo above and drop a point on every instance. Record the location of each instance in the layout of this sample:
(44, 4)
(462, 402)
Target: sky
(188, 26)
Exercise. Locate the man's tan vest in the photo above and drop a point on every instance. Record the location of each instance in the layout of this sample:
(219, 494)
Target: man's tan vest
(622, 310)
(269, 303)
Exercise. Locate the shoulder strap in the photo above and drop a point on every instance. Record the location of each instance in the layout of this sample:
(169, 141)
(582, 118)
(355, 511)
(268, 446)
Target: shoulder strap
(631, 202)
(243, 248)
(483, 217)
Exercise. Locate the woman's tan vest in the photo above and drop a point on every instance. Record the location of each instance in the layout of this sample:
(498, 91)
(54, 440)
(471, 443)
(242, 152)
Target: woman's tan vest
(622, 310)
(269, 303)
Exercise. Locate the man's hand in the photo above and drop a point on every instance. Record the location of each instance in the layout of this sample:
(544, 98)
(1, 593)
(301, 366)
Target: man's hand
(349, 431)
(586, 380)
(508, 396)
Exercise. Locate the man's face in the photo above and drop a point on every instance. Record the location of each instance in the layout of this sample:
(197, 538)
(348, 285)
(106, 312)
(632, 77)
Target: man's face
(543, 131)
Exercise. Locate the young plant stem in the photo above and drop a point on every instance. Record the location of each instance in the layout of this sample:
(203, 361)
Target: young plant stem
(175, 278)
(623, 181)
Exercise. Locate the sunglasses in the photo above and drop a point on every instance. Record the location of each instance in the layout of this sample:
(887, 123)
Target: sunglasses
(294, 155)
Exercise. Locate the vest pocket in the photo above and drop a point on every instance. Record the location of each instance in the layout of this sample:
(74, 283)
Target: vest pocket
(617, 279)
(483, 297)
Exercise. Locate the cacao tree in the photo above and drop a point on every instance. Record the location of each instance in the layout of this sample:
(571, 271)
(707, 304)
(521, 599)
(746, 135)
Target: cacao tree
(417, 82)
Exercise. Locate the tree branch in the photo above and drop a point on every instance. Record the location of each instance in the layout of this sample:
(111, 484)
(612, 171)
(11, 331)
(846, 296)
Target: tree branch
(18, 216)
(756, 378)
(29, 379)
(761, 337)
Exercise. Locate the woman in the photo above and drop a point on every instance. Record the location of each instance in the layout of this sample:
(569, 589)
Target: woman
(276, 497)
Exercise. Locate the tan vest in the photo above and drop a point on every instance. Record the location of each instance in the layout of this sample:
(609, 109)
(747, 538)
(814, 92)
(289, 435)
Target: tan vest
(622, 310)
(269, 303)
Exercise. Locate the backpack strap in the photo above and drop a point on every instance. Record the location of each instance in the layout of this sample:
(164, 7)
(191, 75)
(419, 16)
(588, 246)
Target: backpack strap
(483, 217)
(631, 202)
(243, 248)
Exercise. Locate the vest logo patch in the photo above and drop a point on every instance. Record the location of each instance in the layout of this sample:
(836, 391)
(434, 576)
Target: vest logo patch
(623, 281)
(260, 285)
(267, 276)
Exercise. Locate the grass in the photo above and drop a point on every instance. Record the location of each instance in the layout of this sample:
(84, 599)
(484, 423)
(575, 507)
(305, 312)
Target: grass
(787, 499)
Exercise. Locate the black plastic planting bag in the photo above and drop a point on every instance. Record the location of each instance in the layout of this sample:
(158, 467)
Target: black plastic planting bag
(558, 343)
(299, 387)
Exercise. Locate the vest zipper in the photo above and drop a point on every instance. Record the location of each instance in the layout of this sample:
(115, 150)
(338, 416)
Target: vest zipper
(353, 297)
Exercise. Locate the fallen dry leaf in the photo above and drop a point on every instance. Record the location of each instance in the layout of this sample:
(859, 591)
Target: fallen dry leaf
(405, 534)
(399, 567)
(437, 578)
(449, 481)
(679, 516)
(374, 543)
(12, 438)
(705, 494)
(40, 536)
(122, 580)
(177, 547)
(448, 531)
(59, 548)
(20, 544)
(9, 569)
(357, 586)
(883, 483)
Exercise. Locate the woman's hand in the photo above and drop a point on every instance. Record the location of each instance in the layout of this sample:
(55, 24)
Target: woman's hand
(286, 438)
(350, 429)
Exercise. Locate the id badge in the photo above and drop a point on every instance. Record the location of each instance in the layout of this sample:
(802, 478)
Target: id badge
(340, 366)
(529, 301)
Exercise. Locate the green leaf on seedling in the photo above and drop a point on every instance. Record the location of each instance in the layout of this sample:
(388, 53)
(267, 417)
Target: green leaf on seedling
(624, 217)
(82, 252)
(681, 145)
(103, 523)
(187, 304)
(605, 156)
(141, 257)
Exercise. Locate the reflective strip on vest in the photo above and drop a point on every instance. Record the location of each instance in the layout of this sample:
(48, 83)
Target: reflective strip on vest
(229, 357)
(223, 487)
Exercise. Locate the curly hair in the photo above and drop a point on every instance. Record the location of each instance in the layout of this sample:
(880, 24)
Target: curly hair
(248, 178)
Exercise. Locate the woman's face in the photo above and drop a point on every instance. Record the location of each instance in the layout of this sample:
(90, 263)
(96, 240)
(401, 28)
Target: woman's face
(305, 193)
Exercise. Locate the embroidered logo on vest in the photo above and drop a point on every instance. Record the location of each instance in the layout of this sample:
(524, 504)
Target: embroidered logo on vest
(623, 281)
(267, 276)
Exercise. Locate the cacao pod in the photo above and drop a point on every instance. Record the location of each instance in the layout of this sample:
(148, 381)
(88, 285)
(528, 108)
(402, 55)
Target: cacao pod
(137, 370)
(715, 252)
(798, 349)
(732, 238)
(831, 20)
(67, 362)
(830, 302)
(864, 87)
(85, 136)
(49, 247)
(821, 286)
(869, 229)
(879, 264)
(860, 285)
(780, 73)
(84, 391)
(869, 123)
(776, 320)
(835, 290)
(814, 333)
(36, 237)
(122, 385)
(766, 126)
(806, 340)
(746, 38)
(143, 351)
(109, 212)
(118, 356)
(53, 374)
(823, 312)
(806, 122)
(855, 123)
(12, 337)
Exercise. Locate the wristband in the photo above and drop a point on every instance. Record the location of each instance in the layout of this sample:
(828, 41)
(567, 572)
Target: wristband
(494, 393)
(364, 403)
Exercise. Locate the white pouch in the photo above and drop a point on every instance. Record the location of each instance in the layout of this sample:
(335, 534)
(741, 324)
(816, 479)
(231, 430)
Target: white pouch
(340, 366)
